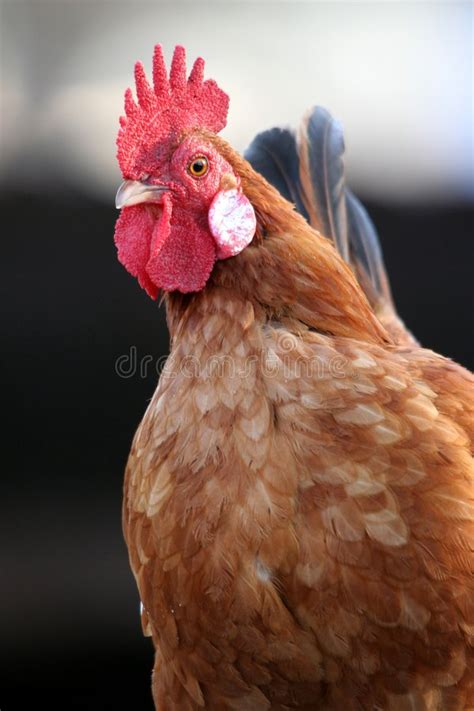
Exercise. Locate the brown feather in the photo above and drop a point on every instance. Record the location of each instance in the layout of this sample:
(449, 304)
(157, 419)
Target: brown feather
(300, 524)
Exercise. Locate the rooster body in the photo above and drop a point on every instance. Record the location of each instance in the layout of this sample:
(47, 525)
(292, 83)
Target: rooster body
(299, 495)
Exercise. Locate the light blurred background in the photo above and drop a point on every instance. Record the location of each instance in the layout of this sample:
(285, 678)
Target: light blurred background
(397, 74)
(399, 77)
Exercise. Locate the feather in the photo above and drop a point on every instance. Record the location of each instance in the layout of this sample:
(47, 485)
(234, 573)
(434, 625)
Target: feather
(321, 150)
(309, 172)
(365, 252)
(274, 155)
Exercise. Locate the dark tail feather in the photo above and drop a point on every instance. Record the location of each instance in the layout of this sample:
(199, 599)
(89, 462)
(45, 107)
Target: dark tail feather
(321, 153)
(309, 172)
(365, 252)
(367, 262)
(273, 154)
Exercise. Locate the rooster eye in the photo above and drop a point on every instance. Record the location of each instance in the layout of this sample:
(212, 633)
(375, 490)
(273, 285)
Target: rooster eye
(198, 166)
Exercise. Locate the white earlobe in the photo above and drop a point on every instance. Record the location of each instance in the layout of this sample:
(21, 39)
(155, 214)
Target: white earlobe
(232, 222)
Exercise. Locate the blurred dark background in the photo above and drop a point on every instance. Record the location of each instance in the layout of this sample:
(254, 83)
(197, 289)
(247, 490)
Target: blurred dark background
(80, 340)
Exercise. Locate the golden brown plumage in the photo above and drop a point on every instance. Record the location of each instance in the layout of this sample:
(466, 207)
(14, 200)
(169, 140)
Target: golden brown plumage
(299, 496)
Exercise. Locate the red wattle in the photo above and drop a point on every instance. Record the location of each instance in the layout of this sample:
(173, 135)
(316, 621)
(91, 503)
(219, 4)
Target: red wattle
(133, 233)
(170, 251)
(182, 252)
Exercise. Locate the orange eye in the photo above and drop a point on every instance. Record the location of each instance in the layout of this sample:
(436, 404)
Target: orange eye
(198, 166)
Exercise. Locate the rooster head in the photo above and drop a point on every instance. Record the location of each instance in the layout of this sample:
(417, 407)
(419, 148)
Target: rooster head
(182, 206)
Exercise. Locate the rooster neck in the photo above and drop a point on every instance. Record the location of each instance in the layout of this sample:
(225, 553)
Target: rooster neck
(295, 273)
(292, 271)
(215, 316)
(289, 270)
(295, 277)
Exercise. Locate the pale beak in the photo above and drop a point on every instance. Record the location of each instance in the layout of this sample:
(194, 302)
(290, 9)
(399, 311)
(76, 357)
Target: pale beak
(132, 192)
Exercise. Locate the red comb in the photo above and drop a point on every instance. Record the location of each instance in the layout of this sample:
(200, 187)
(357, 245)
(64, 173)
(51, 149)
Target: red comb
(163, 112)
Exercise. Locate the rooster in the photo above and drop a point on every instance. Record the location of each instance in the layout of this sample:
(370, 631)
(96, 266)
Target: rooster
(299, 499)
